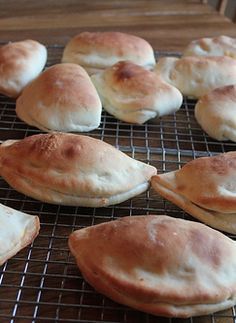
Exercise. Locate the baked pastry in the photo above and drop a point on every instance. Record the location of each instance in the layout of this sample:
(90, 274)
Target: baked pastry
(195, 76)
(20, 63)
(216, 113)
(62, 98)
(133, 94)
(72, 169)
(17, 230)
(159, 264)
(96, 51)
(205, 188)
(217, 46)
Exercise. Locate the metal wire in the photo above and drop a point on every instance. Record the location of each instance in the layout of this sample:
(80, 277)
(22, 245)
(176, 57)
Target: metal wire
(42, 283)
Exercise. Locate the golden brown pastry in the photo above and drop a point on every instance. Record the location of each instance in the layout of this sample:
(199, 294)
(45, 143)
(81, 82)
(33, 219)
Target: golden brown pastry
(158, 264)
(195, 76)
(216, 46)
(72, 169)
(17, 230)
(205, 188)
(96, 51)
(216, 113)
(20, 63)
(62, 98)
(133, 94)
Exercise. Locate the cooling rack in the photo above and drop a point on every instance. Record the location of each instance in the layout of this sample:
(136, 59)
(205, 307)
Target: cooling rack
(42, 283)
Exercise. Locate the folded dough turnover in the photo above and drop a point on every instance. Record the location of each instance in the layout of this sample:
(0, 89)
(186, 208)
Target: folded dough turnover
(158, 264)
(20, 63)
(216, 113)
(205, 188)
(72, 169)
(62, 98)
(17, 230)
(133, 94)
(217, 46)
(96, 51)
(194, 75)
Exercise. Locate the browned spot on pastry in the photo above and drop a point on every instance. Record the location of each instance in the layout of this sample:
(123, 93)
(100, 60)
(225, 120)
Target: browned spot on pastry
(124, 71)
(45, 144)
(181, 187)
(69, 152)
(221, 164)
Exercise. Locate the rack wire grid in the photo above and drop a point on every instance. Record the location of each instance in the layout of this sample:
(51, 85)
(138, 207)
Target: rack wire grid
(42, 282)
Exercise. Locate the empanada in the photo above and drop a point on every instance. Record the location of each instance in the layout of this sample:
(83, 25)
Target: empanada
(133, 94)
(62, 98)
(205, 188)
(17, 230)
(216, 113)
(158, 264)
(96, 51)
(195, 76)
(217, 46)
(72, 169)
(20, 63)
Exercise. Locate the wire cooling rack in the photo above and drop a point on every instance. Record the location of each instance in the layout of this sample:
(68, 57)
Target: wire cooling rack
(42, 283)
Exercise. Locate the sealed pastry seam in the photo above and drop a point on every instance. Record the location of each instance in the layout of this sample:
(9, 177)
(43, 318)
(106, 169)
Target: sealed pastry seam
(29, 119)
(165, 308)
(134, 116)
(226, 221)
(58, 196)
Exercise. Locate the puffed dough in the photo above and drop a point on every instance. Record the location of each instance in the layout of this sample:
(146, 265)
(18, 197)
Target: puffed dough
(20, 63)
(194, 75)
(217, 46)
(62, 98)
(96, 51)
(205, 188)
(17, 230)
(72, 169)
(158, 264)
(133, 94)
(216, 113)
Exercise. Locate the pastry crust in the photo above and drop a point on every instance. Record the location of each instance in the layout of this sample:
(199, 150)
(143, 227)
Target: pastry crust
(205, 188)
(96, 51)
(72, 169)
(20, 63)
(216, 113)
(133, 94)
(195, 76)
(62, 98)
(158, 264)
(217, 46)
(17, 230)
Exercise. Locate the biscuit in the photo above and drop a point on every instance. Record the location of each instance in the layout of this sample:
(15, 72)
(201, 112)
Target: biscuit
(96, 51)
(133, 94)
(195, 76)
(216, 113)
(159, 264)
(205, 188)
(17, 230)
(20, 63)
(216, 46)
(62, 98)
(69, 169)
